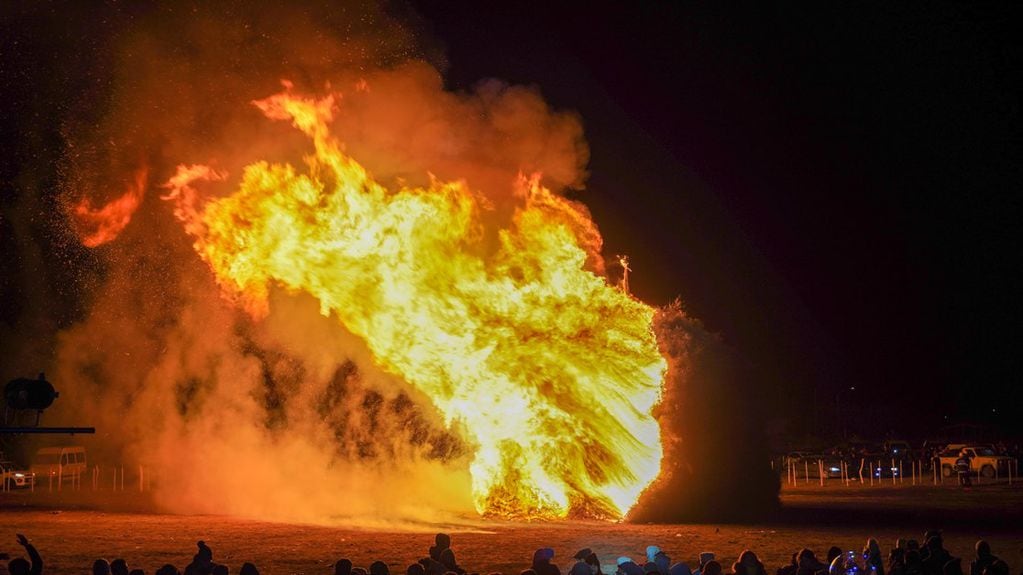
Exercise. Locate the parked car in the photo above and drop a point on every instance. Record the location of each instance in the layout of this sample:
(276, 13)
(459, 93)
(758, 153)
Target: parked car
(897, 448)
(14, 477)
(59, 462)
(984, 461)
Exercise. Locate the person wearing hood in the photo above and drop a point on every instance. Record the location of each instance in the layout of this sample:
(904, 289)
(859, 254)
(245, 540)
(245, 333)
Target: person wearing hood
(442, 541)
(705, 557)
(542, 562)
(658, 557)
(594, 564)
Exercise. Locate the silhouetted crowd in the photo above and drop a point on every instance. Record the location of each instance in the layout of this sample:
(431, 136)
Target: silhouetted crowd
(907, 557)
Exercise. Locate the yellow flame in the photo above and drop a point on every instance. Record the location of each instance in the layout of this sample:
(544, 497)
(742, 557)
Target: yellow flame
(548, 372)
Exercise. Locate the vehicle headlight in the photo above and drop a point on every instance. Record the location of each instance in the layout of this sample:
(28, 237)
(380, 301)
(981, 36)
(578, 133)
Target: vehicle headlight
(19, 475)
(835, 469)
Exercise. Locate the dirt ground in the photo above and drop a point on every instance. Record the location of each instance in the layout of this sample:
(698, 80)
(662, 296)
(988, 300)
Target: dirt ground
(70, 534)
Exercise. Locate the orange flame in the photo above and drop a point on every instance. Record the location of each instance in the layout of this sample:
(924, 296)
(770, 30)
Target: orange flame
(548, 372)
(97, 226)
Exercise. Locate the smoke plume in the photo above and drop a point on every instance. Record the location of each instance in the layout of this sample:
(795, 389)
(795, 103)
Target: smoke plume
(288, 416)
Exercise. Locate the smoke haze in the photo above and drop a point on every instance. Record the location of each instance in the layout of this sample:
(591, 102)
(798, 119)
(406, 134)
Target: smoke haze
(276, 418)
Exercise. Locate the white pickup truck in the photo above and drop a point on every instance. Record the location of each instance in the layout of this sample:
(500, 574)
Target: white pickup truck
(984, 461)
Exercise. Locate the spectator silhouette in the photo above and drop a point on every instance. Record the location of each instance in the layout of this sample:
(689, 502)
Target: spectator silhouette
(953, 566)
(627, 566)
(872, 553)
(118, 567)
(897, 561)
(807, 563)
(19, 566)
(749, 564)
(343, 567)
(136, 572)
(833, 552)
(712, 567)
(680, 569)
(705, 557)
(936, 556)
(656, 556)
(447, 559)
(248, 569)
(791, 568)
(442, 541)
(100, 567)
(984, 558)
(914, 563)
(580, 568)
(379, 568)
(167, 569)
(219, 569)
(542, 562)
(202, 561)
(414, 569)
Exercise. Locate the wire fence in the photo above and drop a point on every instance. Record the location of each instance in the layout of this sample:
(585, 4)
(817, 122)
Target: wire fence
(58, 478)
(876, 471)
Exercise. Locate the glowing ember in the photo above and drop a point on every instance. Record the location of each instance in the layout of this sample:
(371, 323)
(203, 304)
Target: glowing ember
(548, 372)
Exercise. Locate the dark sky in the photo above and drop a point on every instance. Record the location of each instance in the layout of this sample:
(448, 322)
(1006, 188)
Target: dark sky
(834, 189)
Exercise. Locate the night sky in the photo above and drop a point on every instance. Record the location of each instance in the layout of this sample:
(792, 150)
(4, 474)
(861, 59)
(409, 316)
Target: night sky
(832, 189)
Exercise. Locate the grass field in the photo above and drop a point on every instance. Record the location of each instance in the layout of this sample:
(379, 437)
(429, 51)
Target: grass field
(70, 532)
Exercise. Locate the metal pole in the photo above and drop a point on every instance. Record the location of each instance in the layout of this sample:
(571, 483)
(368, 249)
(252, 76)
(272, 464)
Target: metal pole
(806, 472)
(820, 471)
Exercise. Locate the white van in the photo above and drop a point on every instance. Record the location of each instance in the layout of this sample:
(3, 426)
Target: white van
(63, 462)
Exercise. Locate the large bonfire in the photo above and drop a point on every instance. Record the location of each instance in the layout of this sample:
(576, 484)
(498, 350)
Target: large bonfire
(548, 373)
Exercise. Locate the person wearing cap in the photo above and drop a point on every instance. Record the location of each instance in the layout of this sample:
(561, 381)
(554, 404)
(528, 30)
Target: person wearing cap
(659, 558)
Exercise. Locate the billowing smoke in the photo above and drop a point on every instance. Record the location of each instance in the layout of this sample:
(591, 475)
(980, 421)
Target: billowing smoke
(261, 418)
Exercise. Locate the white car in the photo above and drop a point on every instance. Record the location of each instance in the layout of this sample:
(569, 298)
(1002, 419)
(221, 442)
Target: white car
(984, 461)
(12, 477)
